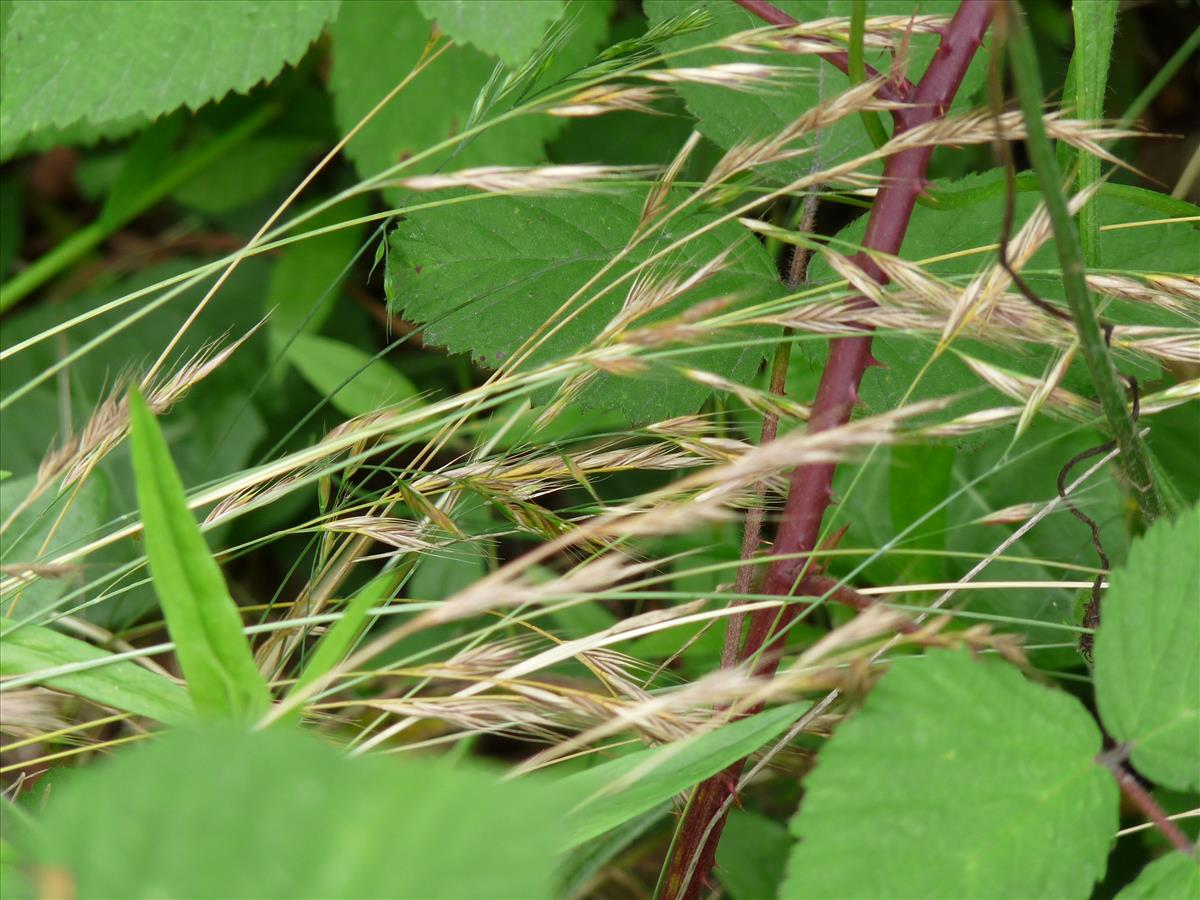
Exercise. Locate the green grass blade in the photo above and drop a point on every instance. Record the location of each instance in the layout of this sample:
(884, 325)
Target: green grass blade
(1095, 22)
(201, 616)
(658, 774)
(341, 637)
(122, 685)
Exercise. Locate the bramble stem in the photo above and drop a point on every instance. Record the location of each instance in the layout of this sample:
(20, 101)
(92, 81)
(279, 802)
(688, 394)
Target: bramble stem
(1114, 761)
(1134, 459)
(699, 832)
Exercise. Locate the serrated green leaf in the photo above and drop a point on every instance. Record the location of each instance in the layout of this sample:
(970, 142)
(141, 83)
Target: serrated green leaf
(376, 45)
(663, 772)
(509, 30)
(1148, 653)
(218, 813)
(727, 117)
(123, 685)
(967, 775)
(201, 616)
(1174, 876)
(104, 61)
(486, 276)
(354, 381)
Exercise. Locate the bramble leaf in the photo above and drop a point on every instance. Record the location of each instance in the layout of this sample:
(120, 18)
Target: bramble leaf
(487, 276)
(510, 30)
(376, 45)
(1148, 653)
(219, 813)
(1170, 877)
(105, 61)
(967, 774)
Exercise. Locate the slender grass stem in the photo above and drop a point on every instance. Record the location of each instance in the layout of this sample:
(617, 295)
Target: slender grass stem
(1134, 459)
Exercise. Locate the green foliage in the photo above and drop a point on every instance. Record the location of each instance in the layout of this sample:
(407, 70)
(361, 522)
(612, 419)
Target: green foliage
(936, 774)
(201, 616)
(1148, 653)
(510, 30)
(353, 380)
(1174, 876)
(124, 685)
(967, 219)
(218, 813)
(616, 791)
(487, 276)
(752, 855)
(51, 524)
(728, 118)
(966, 773)
(377, 44)
(72, 63)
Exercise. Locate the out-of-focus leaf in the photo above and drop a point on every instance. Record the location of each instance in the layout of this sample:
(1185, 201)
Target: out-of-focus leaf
(218, 813)
(354, 382)
(1174, 876)
(752, 855)
(660, 773)
(52, 524)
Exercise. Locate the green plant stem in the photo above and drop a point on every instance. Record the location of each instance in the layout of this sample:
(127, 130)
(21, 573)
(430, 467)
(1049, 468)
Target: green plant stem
(1134, 459)
(1095, 22)
(70, 250)
(858, 69)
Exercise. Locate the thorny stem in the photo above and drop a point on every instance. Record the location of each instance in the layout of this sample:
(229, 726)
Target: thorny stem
(1114, 761)
(752, 527)
(809, 493)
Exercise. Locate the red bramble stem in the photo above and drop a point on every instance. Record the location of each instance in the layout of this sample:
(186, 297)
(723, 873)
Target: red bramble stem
(809, 495)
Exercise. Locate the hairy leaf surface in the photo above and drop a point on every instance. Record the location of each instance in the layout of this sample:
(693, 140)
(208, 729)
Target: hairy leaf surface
(1148, 653)
(510, 30)
(952, 780)
(487, 275)
(103, 61)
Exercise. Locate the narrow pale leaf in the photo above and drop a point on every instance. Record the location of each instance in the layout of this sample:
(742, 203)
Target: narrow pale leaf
(663, 772)
(355, 382)
(123, 685)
